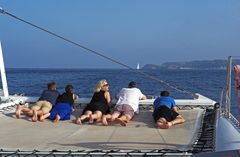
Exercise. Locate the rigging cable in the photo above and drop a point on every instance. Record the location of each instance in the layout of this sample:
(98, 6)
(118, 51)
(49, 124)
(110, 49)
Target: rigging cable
(98, 53)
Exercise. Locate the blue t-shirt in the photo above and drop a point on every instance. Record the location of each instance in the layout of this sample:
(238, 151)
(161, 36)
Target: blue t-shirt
(50, 96)
(164, 101)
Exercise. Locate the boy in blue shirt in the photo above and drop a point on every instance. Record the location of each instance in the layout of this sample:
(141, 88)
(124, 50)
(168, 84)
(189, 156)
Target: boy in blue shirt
(165, 111)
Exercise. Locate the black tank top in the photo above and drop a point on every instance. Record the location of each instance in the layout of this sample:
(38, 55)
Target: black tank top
(66, 98)
(99, 98)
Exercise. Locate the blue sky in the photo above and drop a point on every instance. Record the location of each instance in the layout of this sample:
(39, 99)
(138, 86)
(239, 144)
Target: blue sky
(130, 31)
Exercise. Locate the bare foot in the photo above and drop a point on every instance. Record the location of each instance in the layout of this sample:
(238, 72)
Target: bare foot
(57, 118)
(169, 124)
(104, 122)
(34, 118)
(120, 121)
(161, 125)
(78, 121)
(91, 119)
(18, 112)
(41, 118)
(158, 125)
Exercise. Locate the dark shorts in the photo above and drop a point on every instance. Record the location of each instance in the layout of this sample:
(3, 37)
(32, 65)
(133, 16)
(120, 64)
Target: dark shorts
(124, 109)
(164, 112)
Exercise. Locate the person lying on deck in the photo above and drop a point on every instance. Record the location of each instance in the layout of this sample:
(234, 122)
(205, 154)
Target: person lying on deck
(126, 106)
(165, 111)
(63, 108)
(99, 105)
(42, 106)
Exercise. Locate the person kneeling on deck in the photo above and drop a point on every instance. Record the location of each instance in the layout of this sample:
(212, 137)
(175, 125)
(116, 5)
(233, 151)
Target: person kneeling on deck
(165, 111)
(63, 108)
(127, 104)
(43, 106)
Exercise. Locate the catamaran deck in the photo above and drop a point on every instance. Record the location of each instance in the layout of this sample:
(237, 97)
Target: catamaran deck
(138, 134)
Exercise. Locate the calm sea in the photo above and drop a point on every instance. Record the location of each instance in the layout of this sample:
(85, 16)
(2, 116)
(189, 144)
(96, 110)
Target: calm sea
(206, 82)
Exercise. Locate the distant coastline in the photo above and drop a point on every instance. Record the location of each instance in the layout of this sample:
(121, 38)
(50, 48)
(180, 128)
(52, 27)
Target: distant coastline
(195, 65)
(188, 65)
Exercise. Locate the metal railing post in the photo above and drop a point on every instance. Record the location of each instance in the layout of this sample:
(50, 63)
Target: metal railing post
(228, 86)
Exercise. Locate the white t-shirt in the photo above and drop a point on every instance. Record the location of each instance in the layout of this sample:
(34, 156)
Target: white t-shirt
(130, 96)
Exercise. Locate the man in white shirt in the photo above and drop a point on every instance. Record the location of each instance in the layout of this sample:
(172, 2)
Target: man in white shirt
(126, 106)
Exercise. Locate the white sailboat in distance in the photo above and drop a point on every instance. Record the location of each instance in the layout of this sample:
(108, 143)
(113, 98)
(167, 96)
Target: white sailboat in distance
(138, 66)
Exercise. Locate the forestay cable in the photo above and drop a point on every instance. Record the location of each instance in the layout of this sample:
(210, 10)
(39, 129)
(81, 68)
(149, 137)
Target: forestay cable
(98, 53)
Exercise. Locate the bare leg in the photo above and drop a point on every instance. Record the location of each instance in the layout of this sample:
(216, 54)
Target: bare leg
(43, 116)
(105, 119)
(23, 109)
(18, 111)
(123, 120)
(178, 120)
(115, 115)
(126, 118)
(96, 115)
(38, 113)
(29, 113)
(162, 123)
(35, 116)
(83, 117)
(120, 121)
(57, 118)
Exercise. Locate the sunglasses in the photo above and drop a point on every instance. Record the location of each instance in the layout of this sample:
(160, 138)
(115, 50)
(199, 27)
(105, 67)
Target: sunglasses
(105, 85)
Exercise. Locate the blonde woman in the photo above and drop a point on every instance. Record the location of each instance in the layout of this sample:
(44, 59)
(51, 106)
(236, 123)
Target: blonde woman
(99, 105)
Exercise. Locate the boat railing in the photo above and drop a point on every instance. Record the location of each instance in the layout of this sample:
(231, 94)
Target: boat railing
(225, 97)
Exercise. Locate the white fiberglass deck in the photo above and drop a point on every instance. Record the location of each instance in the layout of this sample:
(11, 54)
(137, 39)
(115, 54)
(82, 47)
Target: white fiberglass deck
(139, 134)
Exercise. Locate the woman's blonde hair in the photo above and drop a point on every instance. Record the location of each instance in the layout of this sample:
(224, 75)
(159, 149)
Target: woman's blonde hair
(99, 85)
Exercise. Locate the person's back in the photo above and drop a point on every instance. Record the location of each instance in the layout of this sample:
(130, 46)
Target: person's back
(50, 96)
(98, 97)
(67, 97)
(164, 101)
(129, 96)
(126, 106)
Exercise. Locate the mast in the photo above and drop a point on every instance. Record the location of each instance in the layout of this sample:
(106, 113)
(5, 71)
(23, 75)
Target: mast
(3, 74)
